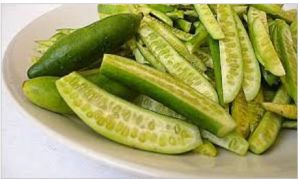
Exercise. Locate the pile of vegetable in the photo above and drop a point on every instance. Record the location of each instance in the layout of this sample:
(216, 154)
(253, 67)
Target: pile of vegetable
(175, 78)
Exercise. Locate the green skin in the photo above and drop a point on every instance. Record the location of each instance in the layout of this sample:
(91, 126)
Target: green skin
(232, 142)
(171, 92)
(198, 39)
(215, 54)
(42, 91)
(289, 124)
(75, 52)
(294, 29)
(125, 122)
(268, 129)
(183, 25)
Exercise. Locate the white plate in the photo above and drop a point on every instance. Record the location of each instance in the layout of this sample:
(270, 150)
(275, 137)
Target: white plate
(280, 161)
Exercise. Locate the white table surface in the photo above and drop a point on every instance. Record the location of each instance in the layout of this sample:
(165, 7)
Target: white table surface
(27, 152)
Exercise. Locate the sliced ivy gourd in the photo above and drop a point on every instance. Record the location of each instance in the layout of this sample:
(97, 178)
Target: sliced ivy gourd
(124, 122)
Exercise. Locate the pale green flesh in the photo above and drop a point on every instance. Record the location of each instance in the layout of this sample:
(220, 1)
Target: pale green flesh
(169, 91)
(152, 105)
(178, 45)
(251, 72)
(255, 111)
(209, 21)
(239, 113)
(230, 54)
(150, 58)
(175, 64)
(255, 13)
(139, 57)
(288, 58)
(124, 122)
(205, 57)
(162, 17)
(268, 129)
(286, 110)
(178, 33)
(232, 142)
(252, 14)
(265, 49)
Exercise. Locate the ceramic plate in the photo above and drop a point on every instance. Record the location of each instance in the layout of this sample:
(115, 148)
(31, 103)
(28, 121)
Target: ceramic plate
(280, 161)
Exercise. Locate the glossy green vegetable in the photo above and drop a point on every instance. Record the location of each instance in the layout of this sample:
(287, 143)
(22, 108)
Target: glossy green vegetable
(177, 44)
(232, 142)
(175, 64)
(285, 110)
(215, 54)
(268, 129)
(206, 148)
(74, 52)
(43, 45)
(124, 122)
(289, 124)
(230, 54)
(251, 71)
(209, 21)
(171, 92)
(239, 113)
(42, 92)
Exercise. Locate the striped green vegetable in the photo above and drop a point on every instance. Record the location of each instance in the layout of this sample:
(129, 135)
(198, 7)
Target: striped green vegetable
(175, 64)
(171, 92)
